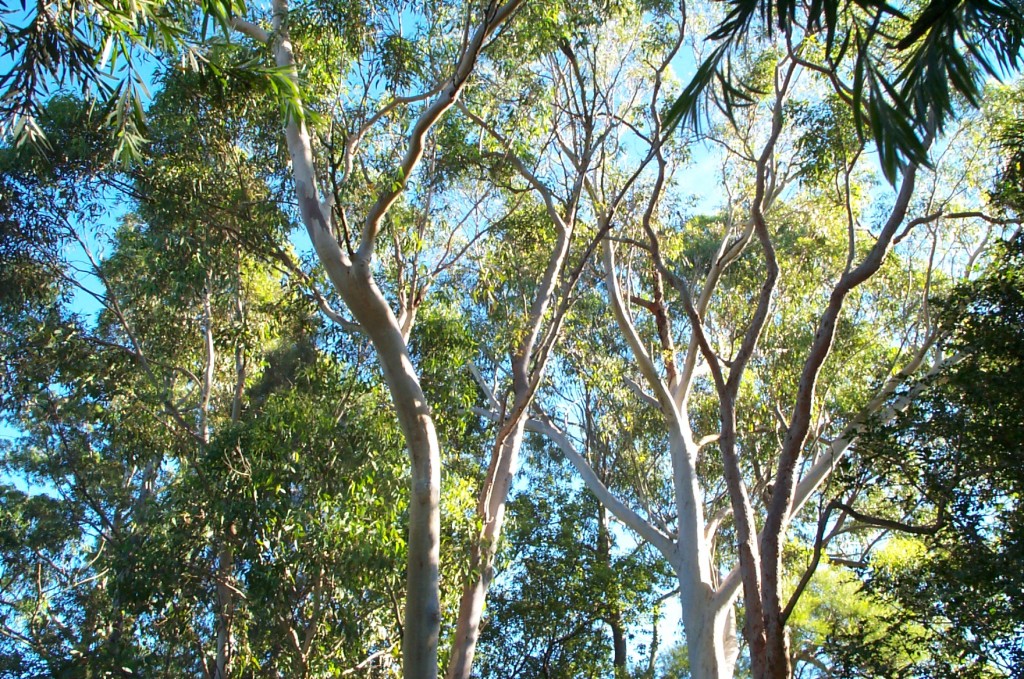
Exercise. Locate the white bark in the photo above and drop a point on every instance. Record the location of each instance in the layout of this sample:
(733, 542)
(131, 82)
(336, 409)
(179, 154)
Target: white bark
(352, 277)
(707, 618)
(354, 282)
(529, 361)
(474, 593)
(707, 627)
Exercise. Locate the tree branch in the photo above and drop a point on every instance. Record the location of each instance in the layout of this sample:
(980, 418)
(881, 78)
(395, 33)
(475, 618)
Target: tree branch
(641, 526)
(417, 138)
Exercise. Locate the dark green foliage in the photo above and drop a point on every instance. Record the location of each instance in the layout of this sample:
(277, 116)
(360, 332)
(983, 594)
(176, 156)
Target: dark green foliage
(37, 193)
(958, 447)
(138, 497)
(1009, 189)
(829, 142)
(25, 276)
(148, 486)
(564, 584)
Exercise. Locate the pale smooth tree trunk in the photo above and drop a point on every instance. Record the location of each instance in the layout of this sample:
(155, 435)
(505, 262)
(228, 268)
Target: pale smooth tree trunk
(353, 280)
(528, 363)
(483, 551)
(707, 612)
(705, 615)
(494, 494)
(705, 627)
(422, 604)
(225, 555)
(225, 608)
(351, 274)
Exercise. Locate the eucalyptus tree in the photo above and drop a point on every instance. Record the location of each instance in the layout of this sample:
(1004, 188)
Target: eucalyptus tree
(348, 257)
(573, 598)
(91, 424)
(229, 481)
(377, 163)
(542, 251)
(577, 596)
(952, 488)
(407, 78)
(941, 532)
(759, 293)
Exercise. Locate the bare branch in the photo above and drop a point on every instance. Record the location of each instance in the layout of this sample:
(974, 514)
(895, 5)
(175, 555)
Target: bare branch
(482, 383)
(637, 389)
(249, 29)
(641, 526)
(431, 115)
(643, 359)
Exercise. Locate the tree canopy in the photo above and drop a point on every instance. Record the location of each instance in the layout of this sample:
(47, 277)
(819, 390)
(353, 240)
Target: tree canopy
(603, 339)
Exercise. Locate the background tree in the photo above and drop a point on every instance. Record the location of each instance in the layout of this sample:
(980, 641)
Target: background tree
(542, 251)
(953, 494)
(230, 496)
(734, 306)
(571, 598)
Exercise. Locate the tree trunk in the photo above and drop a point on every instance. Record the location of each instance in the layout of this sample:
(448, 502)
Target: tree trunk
(225, 609)
(492, 509)
(354, 281)
(705, 625)
(614, 615)
(422, 604)
(505, 455)
(705, 617)
(619, 650)
(350, 273)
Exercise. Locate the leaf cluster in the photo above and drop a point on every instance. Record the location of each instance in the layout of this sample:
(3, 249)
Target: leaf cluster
(952, 458)
(908, 69)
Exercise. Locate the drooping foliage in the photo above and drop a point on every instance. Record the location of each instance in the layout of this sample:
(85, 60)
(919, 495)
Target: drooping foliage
(903, 69)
